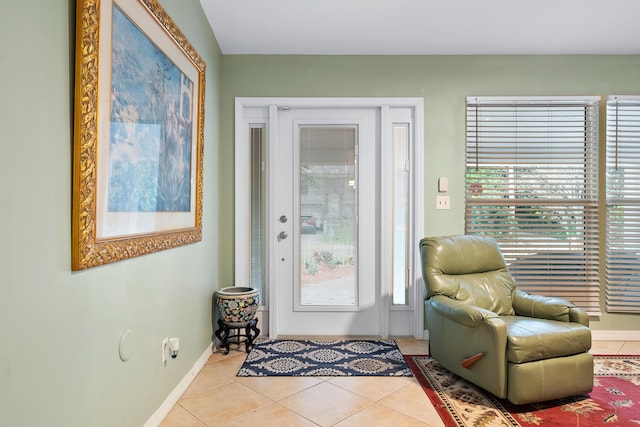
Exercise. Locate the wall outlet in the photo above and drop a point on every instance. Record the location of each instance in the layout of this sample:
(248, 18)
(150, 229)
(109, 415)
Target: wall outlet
(442, 202)
(165, 351)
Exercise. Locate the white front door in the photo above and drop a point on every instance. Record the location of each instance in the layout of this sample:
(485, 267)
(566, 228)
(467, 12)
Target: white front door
(328, 213)
(326, 186)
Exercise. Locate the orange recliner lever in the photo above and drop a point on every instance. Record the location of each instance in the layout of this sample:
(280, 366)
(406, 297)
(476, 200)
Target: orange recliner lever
(469, 361)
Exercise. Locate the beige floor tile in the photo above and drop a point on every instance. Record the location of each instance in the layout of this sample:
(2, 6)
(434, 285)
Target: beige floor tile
(228, 367)
(412, 401)
(217, 396)
(277, 388)
(212, 375)
(372, 388)
(606, 347)
(412, 346)
(224, 403)
(325, 404)
(273, 415)
(380, 416)
(180, 417)
(630, 347)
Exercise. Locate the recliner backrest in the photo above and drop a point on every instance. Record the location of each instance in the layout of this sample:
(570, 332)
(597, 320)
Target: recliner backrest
(470, 269)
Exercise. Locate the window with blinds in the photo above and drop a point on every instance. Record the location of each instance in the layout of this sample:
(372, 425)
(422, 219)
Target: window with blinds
(531, 183)
(623, 205)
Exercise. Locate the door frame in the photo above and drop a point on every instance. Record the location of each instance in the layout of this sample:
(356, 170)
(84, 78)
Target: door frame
(271, 106)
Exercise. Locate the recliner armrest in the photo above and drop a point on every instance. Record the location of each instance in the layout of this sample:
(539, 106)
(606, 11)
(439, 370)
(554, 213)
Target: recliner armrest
(460, 312)
(544, 307)
(578, 315)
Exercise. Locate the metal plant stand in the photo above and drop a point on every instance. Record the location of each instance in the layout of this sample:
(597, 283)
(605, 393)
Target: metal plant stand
(230, 334)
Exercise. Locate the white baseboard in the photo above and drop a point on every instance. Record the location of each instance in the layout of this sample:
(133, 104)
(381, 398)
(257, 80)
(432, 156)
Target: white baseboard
(615, 335)
(173, 397)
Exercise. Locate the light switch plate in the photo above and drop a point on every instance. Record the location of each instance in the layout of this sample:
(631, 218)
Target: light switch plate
(443, 184)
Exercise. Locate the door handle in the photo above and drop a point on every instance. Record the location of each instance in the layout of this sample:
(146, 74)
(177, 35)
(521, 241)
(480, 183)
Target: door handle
(282, 235)
(283, 218)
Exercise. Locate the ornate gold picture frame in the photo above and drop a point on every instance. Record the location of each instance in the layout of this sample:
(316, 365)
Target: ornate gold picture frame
(138, 133)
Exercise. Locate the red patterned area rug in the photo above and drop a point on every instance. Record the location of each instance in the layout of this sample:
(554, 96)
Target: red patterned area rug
(614, 401)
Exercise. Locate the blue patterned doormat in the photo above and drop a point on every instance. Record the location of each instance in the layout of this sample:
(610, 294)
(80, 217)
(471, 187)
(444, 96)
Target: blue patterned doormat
(325, 357)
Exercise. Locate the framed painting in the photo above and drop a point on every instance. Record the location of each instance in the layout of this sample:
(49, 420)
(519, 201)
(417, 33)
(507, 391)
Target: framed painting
(138, 133)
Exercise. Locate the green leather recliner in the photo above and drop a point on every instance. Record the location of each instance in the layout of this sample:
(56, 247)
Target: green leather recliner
(518, 346)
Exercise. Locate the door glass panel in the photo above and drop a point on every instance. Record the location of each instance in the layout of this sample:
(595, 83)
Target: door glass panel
(328, 212)
(258, 183)
(400, 289)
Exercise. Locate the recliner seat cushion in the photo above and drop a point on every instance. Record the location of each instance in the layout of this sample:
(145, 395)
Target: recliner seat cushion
(530, 339)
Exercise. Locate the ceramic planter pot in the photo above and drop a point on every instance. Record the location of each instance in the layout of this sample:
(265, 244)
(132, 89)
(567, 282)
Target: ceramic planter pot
(237, 305)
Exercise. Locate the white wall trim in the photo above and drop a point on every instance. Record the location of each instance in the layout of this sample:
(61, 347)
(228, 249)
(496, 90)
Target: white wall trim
(175, 394)
(272, 212)
(321, 102)
(417, 219)
(615, 335)
(272, 104)
(242, 239)
(385, 180)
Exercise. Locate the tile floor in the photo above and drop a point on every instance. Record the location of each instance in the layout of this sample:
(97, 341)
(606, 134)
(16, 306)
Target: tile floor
(217, 397)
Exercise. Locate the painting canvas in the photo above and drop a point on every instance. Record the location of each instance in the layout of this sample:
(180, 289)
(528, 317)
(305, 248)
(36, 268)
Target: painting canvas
(150, 145)
(138, 134)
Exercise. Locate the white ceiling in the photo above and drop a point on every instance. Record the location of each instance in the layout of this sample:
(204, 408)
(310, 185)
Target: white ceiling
(426, 27)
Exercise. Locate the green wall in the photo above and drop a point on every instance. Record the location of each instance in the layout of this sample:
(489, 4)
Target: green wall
(444, 82)
(59, 331)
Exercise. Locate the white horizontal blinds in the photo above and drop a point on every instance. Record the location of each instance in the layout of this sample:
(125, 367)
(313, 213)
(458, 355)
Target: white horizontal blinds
(531, 183)
(623, 205)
